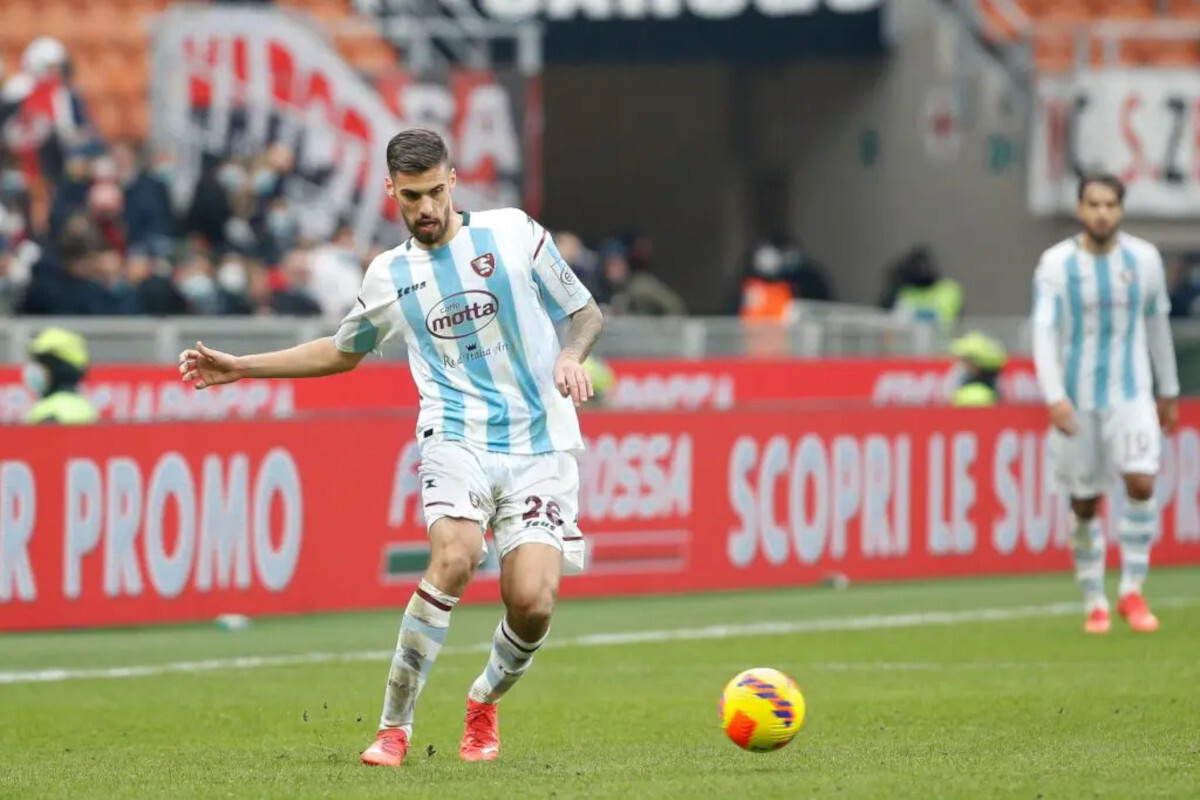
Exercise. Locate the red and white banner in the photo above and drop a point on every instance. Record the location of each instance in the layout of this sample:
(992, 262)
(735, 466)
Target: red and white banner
(229, 81)
(153, 393)
(169, 522)
(1142, 125)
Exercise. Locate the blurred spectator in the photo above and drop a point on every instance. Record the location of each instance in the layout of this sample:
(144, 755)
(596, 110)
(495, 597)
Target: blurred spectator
(14, 200)
(149, 218)
(70, 194)
(51, 120)
(918, 291)
(778, 272)
(585, 262)
(1185, 288)
(196, 278)
(258, 289)
(337, 272)
(982, 359)
(156, 293)
(58, 362)
(293, 296)
(64, 282)
(240, 233)
(281, 231)
(106, 205)
(604, 379)
(626, 291)
(109, 272)
(8, 292)
(211, 209)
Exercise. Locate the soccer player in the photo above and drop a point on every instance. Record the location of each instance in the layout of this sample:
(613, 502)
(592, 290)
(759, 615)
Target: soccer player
(475, 297)
(1099, 330)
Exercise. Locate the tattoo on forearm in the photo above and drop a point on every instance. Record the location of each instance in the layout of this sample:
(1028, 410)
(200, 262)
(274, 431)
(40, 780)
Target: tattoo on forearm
(584, 330)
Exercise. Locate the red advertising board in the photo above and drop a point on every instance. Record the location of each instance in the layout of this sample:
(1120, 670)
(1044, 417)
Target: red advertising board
(146, 393)
(176, 521)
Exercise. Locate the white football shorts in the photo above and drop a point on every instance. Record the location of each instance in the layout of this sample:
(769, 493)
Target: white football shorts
(1126, 438)
(522, 498)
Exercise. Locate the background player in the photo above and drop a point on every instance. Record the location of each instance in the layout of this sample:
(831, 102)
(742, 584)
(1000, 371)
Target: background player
(1099, 325)
(475, 297)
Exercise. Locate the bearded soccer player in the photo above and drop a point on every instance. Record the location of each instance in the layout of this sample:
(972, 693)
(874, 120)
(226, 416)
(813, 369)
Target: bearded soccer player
(1101, 341)
(475, 297)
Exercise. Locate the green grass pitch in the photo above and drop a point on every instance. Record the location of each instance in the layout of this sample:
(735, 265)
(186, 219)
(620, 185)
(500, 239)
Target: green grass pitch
(954, 689)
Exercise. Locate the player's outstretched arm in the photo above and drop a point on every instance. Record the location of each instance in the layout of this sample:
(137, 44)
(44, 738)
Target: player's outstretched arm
(569, 375)
(203, 366)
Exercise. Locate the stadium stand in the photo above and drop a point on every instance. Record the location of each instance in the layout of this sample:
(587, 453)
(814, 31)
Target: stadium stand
(1147, 33)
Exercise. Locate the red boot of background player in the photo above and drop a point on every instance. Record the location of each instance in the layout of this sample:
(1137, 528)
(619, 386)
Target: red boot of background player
(1135, 611)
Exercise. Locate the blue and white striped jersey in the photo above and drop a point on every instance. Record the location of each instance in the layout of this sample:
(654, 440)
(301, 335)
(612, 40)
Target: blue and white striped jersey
(477, 316)
(1100, 324)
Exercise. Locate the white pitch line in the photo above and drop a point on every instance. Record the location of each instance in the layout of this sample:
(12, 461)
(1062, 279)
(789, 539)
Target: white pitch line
(781, 628)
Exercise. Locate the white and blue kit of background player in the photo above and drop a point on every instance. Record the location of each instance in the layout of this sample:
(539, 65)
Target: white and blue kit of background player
(1101, 337)
(498, 440)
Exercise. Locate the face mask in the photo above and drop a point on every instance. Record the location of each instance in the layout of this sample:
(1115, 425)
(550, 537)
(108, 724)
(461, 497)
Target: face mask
(197, 287)
(280, 224)
(231, 276)
(231, 177)
(165, 172)
(1194, 277)
(264, 181)
(12, 180)
(36, 378)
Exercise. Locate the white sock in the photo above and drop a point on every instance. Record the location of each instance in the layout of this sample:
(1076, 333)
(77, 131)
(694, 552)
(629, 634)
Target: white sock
(510, 658)
(422, 633)
(1087, 547)
(1136, 532)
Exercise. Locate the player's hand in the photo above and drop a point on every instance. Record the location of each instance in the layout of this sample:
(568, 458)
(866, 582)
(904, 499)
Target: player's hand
(1062, 416)
(572, 379)
(204, 367)
(1168, 414)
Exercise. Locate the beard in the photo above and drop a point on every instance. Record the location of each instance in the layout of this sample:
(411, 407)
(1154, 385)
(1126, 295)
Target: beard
(427, 230)
(1101, 237)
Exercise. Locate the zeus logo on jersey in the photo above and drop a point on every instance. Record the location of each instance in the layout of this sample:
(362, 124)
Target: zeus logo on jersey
(407, 290)
(463, 314)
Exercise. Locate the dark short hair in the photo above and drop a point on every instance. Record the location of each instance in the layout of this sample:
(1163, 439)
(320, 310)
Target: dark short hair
(1104, 179)
(416, 150)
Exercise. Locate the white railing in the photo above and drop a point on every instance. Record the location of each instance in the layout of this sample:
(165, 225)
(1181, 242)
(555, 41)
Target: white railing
(820, 329)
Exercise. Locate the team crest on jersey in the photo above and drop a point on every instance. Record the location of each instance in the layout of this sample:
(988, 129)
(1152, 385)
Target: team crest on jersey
(484, 266)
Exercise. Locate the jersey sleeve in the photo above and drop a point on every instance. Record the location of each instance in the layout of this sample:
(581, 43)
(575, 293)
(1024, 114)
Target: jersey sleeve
(1158, 299)
(562, 292)
(1046, 318)
(372, 320)
(1158, 330)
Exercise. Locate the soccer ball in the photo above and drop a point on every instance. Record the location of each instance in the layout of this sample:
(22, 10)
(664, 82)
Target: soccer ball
(762, 709)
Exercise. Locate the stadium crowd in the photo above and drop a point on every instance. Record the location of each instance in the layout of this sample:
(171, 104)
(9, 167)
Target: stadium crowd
(91, 227)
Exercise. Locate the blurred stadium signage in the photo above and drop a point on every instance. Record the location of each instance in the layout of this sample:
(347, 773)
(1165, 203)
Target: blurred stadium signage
(632, 31)
(1141, 125)
(146, 393)
(228, 81)
(163, 522)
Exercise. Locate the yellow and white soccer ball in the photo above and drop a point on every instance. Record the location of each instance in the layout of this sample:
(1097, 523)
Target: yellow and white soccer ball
(762, 709)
